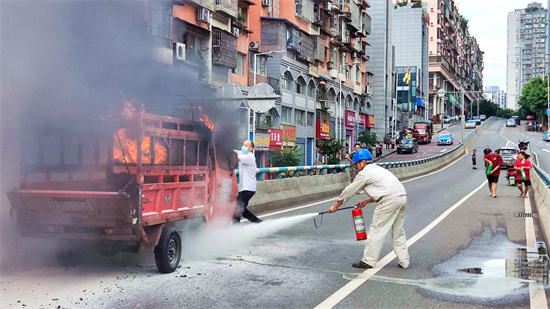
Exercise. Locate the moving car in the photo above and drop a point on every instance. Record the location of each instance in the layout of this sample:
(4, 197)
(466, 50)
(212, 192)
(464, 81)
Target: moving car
(530, 117)
(470, 124)
(516, 118)
(447, 119)
(511, 123)
(445, 139)
(529, 126)
(509, 156)
(408, 145)
(546, 136)
(477, 120)
(482, 117)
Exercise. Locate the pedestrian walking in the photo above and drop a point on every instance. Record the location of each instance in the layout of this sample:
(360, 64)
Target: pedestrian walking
(379, 149)
(387, 142)
(352, 170)
(486, 151)
(474, 159)
(382, 187)
(247, 183)
(523, 164)
(494, 160)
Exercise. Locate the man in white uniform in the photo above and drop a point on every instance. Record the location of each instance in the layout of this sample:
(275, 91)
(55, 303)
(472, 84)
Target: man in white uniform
(247, 183)
(382, 187)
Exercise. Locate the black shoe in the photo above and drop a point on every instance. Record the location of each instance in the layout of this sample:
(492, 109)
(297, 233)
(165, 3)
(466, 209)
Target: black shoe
(258, 221)
(361, 264)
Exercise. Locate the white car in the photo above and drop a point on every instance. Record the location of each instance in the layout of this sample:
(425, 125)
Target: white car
(470, 124)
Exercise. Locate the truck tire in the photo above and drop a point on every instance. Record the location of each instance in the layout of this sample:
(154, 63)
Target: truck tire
(168, 250)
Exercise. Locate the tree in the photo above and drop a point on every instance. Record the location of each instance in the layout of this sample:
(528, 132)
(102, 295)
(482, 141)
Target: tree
(332, 148)
(486, 107)
(290, 157)
(366, 139)
(505, 113)
(534, 97)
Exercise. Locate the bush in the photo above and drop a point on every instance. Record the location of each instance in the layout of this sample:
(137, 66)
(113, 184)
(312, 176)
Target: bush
(331, 148)
(285, 158)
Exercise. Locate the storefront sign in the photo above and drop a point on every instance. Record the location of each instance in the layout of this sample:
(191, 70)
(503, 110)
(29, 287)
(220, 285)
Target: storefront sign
(323, 130)
(362, 119)
(289, 133)
(350, 119)
(370, 121)
(261, 142)
(275, 139)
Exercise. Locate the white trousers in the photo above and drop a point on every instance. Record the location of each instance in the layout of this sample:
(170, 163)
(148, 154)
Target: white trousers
(389, 214)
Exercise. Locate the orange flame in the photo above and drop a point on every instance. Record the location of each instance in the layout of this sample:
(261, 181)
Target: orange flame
(205, 119)
(125, 150)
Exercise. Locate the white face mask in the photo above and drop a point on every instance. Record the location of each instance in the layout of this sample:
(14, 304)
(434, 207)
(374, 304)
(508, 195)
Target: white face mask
(244, 149)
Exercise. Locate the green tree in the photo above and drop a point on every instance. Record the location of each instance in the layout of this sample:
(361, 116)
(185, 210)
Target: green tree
(505, 113)
(332, 148)
(486, 107)
(283, 158)
(534, 97)
(366, 139)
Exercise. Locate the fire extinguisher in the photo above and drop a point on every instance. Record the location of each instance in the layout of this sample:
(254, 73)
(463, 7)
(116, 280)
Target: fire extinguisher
(359, 224)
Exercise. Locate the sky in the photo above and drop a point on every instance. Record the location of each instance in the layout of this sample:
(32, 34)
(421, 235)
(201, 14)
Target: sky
(488, 24)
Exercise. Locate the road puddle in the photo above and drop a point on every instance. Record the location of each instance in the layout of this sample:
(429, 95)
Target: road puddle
(491, 271)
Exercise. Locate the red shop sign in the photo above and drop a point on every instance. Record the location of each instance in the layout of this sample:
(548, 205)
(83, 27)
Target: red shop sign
(370, 121)
(323, 130)
(275, 138)
(350, 119)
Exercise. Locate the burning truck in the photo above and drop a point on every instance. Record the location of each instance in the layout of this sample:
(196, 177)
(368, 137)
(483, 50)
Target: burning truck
(123, 184)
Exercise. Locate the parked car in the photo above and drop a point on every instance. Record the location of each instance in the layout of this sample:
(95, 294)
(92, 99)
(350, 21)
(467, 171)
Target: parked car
(530, 117)
(482, 117)
(477, 120)
(509, 156)
(546, 136)
(470, 124)
(447, 119)
(529, 126)
(511, 123)
(445, 139)
(516, 118)
(408, 145)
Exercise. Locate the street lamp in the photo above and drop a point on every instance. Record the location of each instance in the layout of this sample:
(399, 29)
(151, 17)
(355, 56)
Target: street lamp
(339, 109)
(254, 118)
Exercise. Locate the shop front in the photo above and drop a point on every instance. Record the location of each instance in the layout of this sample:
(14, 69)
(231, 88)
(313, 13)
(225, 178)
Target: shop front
(350, 129)
(261, 147)
(289, 136)
(323, 130)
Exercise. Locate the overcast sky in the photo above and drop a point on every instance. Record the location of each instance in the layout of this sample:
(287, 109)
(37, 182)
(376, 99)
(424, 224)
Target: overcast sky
(488, 24)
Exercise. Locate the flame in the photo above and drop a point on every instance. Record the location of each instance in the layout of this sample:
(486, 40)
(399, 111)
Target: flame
(125, 150)
(205, 119)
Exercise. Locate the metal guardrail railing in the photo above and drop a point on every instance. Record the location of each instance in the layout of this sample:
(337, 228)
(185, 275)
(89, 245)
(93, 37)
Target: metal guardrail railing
(544, 176)
(341, 168)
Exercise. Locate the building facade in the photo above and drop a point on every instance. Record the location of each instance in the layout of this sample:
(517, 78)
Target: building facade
(410, 38)
(455, 60)
(527, 49)
(496, 95)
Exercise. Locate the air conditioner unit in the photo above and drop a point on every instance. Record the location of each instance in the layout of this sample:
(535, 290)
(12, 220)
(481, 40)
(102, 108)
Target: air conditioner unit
(328, 6)
(325, 105)
(330, 65)
(236, 32)
(254, 45)
(266, 3)
(180, 51)
(347, 105)
(203, 15)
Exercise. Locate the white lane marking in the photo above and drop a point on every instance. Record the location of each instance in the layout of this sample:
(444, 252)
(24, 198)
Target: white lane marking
(537, 296)
(347, 289)
(443, 150)
(545, 150)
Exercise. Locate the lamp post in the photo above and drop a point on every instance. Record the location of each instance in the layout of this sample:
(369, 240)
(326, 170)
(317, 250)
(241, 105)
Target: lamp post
(339, 109)
(254, 118)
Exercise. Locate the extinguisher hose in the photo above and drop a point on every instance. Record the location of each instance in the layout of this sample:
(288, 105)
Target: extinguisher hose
(324, 212)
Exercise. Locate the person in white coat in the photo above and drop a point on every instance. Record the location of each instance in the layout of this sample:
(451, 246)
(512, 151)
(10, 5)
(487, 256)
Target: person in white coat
(247, 183)
(382, 187)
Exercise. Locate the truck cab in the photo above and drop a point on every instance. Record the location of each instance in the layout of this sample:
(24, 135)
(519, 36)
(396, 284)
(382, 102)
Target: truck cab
(423, 131)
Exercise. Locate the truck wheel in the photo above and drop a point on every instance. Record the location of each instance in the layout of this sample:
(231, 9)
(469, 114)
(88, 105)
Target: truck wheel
(168, 250)
(70, 257)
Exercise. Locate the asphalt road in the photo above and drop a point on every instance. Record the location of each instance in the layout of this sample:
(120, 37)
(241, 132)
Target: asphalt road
(286, 262)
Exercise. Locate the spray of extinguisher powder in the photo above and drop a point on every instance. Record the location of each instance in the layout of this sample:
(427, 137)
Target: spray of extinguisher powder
(359, 224)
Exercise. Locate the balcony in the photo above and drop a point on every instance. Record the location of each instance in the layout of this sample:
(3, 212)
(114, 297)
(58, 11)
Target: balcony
(355, 23)
(307, 49)
(304, 10)
(366, 24)
(228, 8)
(224, 50)
(319, 49)
(201, 3)
(295, 41)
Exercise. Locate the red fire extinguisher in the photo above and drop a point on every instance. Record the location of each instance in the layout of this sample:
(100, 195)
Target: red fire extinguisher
(359, 223)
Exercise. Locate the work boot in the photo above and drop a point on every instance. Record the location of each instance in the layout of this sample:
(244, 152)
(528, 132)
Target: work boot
(361, 264)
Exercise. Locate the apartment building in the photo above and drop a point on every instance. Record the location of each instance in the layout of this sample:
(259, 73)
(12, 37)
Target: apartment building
(455, 60)
(410, 38)
(527, 49)
(496, 95)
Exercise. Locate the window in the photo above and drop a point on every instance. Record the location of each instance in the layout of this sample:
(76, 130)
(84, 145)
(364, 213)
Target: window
(299, 117)
(341, 62)
(287, 81)
(286, 115)
(300, 85)
(261, 64)
(311, 89)
(358, 73)
(240, 65)
(310, 119)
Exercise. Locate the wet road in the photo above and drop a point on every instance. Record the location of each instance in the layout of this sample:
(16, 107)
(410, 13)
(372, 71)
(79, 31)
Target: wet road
(451, 222)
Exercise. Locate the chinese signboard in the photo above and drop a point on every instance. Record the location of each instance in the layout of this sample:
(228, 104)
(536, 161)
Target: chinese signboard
(275, 139)
(370, 121)
(289, 133)
(261, 142)
(350, 119)
(323, 130)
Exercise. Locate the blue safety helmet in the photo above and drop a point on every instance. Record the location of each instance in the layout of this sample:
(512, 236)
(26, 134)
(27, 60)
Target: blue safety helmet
(362, 154)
